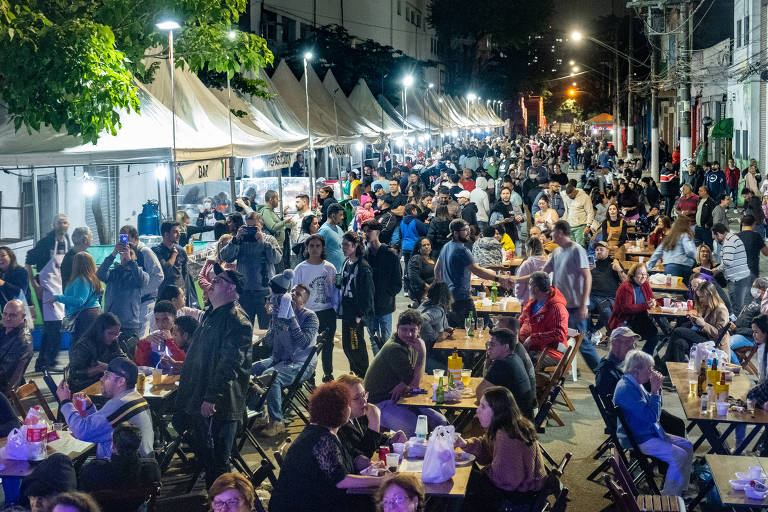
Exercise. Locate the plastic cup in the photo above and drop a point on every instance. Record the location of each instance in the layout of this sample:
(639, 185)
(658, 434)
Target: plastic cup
(58, 427)
(641, 259)
(755, 472)
(398, 448)
(157, 376)
(693, 386)
(751, 406)
(667, 302)
(481, 295)
(437, 373)
(393, 462)
(722, 408)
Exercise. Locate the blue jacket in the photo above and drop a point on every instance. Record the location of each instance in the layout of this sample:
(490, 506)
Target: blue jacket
(641, 410)
(411, 229)
(78, 295)
(715, 182)
(684, 253)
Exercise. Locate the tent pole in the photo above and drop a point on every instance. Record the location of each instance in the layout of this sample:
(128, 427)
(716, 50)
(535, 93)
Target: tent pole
(36, 204)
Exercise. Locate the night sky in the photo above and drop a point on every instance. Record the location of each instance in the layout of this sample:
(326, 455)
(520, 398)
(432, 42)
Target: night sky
(573, 14)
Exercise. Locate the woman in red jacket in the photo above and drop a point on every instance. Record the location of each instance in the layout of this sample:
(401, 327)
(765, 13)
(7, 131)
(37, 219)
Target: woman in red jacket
(634, 298)
(544, 321)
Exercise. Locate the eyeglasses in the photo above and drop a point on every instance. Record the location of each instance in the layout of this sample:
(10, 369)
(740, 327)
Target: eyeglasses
(229, 504)
(108, 373)
(397, 500)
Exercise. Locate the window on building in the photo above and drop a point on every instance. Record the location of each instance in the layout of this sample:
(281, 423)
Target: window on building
(407, 14)
(399, 7)
(289, 30)
(737, 143)
(418, 19)
(746, 30)
(304, 31)
(269, 25)
(745, 144)
(738, 33)
(47, 203)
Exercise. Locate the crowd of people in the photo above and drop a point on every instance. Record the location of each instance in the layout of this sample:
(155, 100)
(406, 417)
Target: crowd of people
(422, 227)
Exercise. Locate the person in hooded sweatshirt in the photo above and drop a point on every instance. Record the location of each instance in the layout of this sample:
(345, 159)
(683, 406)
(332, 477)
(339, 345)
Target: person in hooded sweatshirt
(411, 229)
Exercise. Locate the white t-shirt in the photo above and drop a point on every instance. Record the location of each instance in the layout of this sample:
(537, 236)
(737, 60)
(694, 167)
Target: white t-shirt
(321, 281)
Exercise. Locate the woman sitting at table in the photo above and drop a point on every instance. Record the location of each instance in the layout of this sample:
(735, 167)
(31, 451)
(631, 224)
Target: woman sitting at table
(503, 237)
(701, 277)
(514, 470)
(663, 226)
(627, 199)
(642, 411)
(634, 298)
(546, 217)
(401, 492)
(89, 355)
(534, 261)
(488, 251)
(741, 330)
(709, 320)
(420, 270)
(434, 323)
(317, 469)
(613, 228)
(232, 492)
(677, 250)
(706, 265)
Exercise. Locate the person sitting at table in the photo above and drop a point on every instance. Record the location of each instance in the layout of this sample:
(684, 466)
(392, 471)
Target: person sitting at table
(544, 321)
(607, 275)
(677, 250)
(183, 331)
(663, 226)
(487, 250)
(504, 239)
(88, 356)
(513, 467)
(160, 342)
(15, 344)
(704, 261)
(642, 411)
(709, 319)
(434, 323)
(741, 328)
(361, 436)
(535, 261)
(628, 200)
(292, 335)
(614, 228)
(50, 477)
(125, 469)
(176, 296)
(396, 369)
(506, 368)
(317, 468)
(124, 404)
(420, 270)
(634, 298)
(74, 502)
(232, 492)
(545, 217)
(401, 492)
(702, 276)
(610, 372)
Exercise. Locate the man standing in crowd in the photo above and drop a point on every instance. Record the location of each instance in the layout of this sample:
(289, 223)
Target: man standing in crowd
(387, 283)
(579, 213)
(479, 198)
(273, 224)
(46, 256)
(172, 258)
(571, 275)
(555, 199)
(455, 267)
(332, 232)
(81, 240)
(754, 207)
(15, 345)
(541, 171)
(733, 265)
(688, 203)
(754, 245)
(302, 210)
(214, 382)
(256, 258)
(147, 260)
(703, 232)
(468, 208)
(292, 335)
(396, 200)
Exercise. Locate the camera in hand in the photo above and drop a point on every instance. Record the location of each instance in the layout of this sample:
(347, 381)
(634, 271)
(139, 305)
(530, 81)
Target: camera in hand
(250, 233)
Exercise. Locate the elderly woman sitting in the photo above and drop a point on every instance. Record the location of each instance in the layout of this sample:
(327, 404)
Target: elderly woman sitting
(641, 411)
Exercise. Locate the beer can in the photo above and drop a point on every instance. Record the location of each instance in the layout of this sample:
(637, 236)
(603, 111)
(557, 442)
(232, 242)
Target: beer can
(81, 404)
(141, 381)
(690, 305)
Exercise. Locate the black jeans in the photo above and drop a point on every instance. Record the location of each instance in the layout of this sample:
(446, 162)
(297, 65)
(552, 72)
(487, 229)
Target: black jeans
(680, 341)
(353, 343)
(254, 304)
(49, 345)
(211, 439)
(326, 333)
(459, 313)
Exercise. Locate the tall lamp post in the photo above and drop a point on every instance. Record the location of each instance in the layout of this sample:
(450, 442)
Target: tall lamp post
(430, 85)
(470, 98)
(170, 26)
(407, 82)
(232, 35)
(311, 163)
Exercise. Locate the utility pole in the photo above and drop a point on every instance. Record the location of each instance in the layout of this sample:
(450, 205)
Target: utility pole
(654, 109)
(630, 113)
(683, 85)
(616, 120)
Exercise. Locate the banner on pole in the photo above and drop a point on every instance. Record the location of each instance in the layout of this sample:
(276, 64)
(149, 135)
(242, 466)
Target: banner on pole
(200, 172)
(279, 161)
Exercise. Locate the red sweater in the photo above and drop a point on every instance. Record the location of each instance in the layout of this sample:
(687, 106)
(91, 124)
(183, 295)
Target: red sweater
(548, 327)
(143, 355)
(624, 305)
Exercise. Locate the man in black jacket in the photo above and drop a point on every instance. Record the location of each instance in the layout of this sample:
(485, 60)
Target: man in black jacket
(212, 390)
(468, 208)
(669, 187)
(15, 345)
(387, 283)
(607, 275)
(703, 231)
(172, 257)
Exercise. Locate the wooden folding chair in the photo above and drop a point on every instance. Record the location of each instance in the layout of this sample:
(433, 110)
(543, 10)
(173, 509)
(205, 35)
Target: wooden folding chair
(644, 502)
(27, 391)
(641, 458)
(18, 372)
(127, 499)
(553, 487)
(577, 338)
(545, 381)
(745, 355)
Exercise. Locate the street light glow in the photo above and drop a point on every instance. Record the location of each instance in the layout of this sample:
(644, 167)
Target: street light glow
(359, 146)
(232, 34)
(571, 62)
(440, 100)
(574, 84)
(576, 69)
(471, 96)
(308, 56)
(571, 92)
(407, 80)
(431, 85)
(576, 36)
(168, 25)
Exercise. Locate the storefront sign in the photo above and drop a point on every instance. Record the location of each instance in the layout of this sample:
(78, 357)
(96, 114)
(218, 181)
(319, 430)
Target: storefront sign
(279, 161)
(200, 172)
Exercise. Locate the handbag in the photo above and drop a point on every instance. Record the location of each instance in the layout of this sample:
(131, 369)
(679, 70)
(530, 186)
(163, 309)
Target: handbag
(69, 321)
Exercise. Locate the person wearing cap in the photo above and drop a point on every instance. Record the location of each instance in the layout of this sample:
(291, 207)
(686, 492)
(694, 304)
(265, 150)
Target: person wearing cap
(52, 476)
(387, 283)
(212, 390)
(256, 256)
(468, 208)
(715, 180)
(124, 404)
(504, 367)
(607, 275)
(292, 334)
(455, 266)
(331, 231)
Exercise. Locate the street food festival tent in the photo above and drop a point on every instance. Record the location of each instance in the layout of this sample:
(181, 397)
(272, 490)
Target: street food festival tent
(361, 98)
(342, 102)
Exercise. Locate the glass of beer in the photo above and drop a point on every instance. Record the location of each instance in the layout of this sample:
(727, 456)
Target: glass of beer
(693, 387)
(466, 375)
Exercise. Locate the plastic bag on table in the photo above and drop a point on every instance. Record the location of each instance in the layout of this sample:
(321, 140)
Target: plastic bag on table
(16, 446)
(439, 463)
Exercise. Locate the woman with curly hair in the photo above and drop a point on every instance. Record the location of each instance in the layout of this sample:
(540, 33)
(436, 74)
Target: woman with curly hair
(403, 492)
(317, 470)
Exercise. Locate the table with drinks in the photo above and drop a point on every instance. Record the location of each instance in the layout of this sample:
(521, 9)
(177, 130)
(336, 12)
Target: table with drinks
(724, 402)
(154, 387)
(459, 340)
(667, 307)
(459, 402)
(503, 306)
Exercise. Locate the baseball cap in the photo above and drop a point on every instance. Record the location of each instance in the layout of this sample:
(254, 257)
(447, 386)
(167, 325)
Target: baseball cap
(624, 332)
(125, 368)
(463, 193)
(236, 277)
(602, 244)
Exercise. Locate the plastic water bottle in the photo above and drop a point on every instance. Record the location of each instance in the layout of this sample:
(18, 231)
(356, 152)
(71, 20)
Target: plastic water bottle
(421, 427)
(692, 359)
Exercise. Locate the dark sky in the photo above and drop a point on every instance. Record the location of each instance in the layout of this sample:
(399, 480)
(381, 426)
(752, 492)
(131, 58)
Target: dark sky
(573, 14)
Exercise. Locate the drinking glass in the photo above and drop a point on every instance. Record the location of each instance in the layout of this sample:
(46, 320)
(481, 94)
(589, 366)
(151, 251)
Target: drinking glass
(437, 373)
(480, 326)
(466, 375)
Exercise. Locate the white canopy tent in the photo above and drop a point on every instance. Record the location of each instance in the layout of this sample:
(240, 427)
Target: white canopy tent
(361, 98)
(334, 89)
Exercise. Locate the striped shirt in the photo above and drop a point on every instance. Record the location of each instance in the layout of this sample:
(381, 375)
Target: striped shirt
(734, 258)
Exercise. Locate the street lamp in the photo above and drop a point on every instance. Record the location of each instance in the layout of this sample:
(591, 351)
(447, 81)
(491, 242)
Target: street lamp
(311, 163)
(407, 82)
(170, 26)
(576, 35)
(571, 62)
(576, 69)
